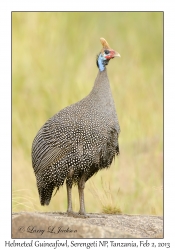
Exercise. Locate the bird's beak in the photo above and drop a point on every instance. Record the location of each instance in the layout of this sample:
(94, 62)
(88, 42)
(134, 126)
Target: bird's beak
(117, 54)
(112, 54)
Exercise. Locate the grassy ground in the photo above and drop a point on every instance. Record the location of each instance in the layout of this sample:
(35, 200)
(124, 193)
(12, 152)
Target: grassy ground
(53, 65)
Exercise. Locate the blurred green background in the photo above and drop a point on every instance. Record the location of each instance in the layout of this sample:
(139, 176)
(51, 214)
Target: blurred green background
(54, 65)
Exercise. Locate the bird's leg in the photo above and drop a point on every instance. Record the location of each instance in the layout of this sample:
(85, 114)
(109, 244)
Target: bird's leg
(81, 186)
(69, 192)
(69, 198)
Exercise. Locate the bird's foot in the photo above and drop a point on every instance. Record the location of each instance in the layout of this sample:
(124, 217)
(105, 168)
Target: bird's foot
(77, 215)
(71, 213)
(83, 216)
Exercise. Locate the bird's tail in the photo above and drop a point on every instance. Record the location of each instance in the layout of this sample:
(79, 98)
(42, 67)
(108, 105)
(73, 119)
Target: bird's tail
(45, 194)
(53, 177)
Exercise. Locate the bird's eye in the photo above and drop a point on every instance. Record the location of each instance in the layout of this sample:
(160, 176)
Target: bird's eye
(106, 51)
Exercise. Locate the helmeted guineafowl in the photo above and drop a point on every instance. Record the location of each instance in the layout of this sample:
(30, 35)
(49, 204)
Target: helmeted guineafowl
(79, 140)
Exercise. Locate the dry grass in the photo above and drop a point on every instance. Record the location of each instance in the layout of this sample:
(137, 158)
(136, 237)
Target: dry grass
(53, 65)
(106, 198)
(21, 201)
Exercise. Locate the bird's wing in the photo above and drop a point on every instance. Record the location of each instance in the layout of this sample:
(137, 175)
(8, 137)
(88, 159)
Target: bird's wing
(54, 145)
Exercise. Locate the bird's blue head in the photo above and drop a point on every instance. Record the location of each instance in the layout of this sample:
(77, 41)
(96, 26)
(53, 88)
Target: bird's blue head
(105, 55)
